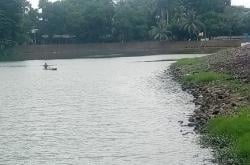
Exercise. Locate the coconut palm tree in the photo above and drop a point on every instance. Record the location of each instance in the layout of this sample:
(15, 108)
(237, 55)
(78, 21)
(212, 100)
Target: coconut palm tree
(160, 31)
(192, 25)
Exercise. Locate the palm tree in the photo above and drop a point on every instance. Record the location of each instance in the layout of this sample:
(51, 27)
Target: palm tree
(160, 31)
(192, 25)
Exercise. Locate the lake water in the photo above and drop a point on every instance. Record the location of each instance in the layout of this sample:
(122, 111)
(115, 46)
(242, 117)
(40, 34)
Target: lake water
(118, 111)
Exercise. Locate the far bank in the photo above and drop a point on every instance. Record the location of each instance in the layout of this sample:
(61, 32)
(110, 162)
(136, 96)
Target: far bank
(103, 50)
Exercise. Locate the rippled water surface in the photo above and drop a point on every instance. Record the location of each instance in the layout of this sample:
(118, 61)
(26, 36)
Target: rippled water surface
(119, 111)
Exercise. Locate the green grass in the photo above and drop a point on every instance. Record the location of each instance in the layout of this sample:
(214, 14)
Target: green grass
(236, 128)
(204, 77)
(242, 148)
(187, 61)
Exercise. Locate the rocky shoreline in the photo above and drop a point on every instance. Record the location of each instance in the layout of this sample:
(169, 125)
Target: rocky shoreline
(212, 100)
(220, 86)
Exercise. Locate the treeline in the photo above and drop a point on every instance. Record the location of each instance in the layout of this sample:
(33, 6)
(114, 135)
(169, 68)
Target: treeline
(120, 20)
(11, 15)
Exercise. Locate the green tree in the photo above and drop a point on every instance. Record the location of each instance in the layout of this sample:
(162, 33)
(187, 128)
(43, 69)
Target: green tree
(246, 22)
(192, 25)
(166, 9)
(88, 20)
(132, 20)
(231, 23)
(161, 32)
(128, 20)
(214, 23)
(30, 21)
(201, 6)
(11, 14)
(52, 18)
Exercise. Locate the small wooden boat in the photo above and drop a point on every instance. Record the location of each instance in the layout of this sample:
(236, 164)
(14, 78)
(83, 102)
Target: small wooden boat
(48, 67)
(54, 69)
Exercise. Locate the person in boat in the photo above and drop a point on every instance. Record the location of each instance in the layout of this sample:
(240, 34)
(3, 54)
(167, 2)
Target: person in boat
(45, 66)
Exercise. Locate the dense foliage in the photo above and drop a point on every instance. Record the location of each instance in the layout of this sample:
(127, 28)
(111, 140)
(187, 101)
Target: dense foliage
(119, 20)
(10, 22)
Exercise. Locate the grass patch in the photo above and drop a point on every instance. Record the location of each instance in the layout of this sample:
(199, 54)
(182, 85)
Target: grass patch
(204, 77)
(236, 129)
(242, 148)
(187, 61)
(235, 125)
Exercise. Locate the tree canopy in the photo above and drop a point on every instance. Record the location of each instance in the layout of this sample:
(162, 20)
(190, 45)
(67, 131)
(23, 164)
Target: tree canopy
(120, 20)
(11, 15)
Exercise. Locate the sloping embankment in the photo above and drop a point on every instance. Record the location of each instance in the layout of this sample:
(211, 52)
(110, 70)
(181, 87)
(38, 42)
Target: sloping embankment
(220, 84)
(102, 50)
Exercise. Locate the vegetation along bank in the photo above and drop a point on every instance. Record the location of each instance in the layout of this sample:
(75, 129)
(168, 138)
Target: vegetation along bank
(99, 21)
(221, 89)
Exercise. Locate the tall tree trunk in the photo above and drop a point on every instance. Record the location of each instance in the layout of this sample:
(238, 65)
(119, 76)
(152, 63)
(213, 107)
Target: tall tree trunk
(167, 17)
(162, 14)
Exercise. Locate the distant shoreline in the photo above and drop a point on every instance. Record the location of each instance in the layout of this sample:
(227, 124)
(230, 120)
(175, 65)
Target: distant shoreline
(108, 50)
